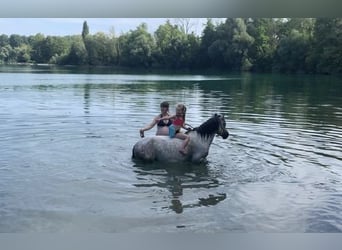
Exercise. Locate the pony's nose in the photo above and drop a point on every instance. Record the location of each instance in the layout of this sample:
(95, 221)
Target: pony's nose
(225, 134)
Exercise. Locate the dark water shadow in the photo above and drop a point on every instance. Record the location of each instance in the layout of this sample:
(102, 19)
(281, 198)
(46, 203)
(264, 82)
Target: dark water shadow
(176, 178)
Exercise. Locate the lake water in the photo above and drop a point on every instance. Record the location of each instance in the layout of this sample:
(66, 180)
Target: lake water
(65, 153)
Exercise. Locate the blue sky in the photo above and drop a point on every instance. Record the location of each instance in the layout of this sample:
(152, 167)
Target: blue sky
(72, 26)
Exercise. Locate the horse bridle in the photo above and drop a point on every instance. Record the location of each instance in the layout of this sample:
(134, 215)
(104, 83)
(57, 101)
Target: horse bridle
(222, 128)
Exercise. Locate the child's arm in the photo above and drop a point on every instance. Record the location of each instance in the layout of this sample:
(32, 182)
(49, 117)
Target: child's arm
(149, 126)
(183, 126)
(167, 118)
(187, 126)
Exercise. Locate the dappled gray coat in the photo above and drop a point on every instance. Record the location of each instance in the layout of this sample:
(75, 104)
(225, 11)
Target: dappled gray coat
(165, 149)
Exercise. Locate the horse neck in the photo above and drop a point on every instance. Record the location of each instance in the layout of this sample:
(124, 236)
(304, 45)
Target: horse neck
(202, 141)
(208, 129)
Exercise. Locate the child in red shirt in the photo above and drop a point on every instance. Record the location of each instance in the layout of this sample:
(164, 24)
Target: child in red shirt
(178, 121)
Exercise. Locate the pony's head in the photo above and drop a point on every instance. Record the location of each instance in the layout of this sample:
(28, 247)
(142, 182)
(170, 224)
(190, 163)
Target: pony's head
(222, 130)
(215, 125)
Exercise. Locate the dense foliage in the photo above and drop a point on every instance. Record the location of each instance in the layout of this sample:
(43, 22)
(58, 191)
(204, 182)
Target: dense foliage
(262, 45)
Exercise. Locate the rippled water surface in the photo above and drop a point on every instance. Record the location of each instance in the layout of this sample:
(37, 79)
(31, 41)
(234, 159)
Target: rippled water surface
(65, 153)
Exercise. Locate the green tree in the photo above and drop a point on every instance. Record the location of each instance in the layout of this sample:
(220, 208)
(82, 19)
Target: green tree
(23, 53)
(92, 50)
(88, 42)
(53, 48)
(209, 36)
(4, 40)
(37, 44)
(326, 52)
(5, 53)
(192, 50)
(257, 44)
(16, 40)
(265, 34)
(85, 30)
(241, 44)
(9, 54)
(77, 54)
(292, 52)
(98, 49)
(113, 47)
(230, 49)
(137, 47)
(302, 25)
(171, 45)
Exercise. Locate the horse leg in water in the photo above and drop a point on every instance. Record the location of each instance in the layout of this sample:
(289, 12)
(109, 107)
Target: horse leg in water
(198, 157)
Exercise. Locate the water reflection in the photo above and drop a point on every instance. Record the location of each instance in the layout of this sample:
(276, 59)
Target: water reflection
(304, 99)
(177, 180)
(87, 88)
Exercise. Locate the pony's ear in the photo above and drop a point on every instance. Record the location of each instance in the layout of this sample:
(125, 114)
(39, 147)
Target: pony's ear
(215, 114)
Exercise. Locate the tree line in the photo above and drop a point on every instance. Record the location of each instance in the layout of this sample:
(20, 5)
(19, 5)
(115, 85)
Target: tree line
(306, 45)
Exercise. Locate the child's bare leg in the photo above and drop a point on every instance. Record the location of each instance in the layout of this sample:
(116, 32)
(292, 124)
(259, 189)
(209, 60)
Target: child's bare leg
(186, 139)
(186, 142)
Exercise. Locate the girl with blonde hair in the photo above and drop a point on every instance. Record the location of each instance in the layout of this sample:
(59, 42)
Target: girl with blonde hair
(178, 122)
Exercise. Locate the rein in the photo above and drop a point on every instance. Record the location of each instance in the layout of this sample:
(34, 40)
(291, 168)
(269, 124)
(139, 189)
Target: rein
(189, 128)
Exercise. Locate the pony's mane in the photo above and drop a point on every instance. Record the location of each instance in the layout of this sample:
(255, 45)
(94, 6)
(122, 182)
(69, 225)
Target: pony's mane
(209, 127)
